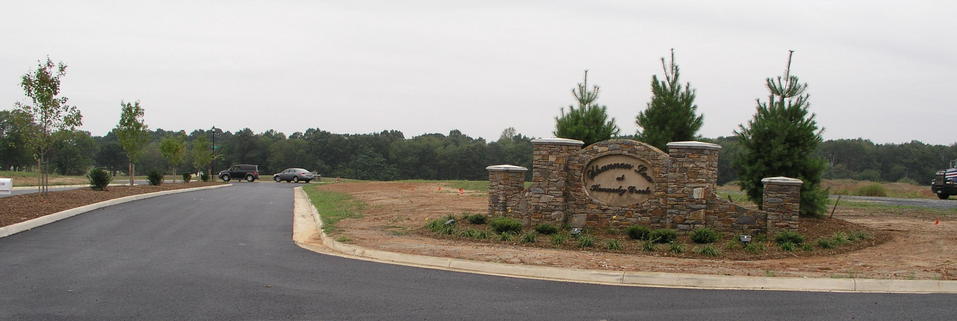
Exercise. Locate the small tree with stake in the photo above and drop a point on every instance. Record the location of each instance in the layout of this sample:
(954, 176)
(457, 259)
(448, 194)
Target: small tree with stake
(173, 150)
(132, 134)
(670, 115)
(780, 141)
(47, 114)
(589, 122)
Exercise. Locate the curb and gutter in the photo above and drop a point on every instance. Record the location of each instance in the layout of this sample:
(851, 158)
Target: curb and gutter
(47, 219)
(305, 230)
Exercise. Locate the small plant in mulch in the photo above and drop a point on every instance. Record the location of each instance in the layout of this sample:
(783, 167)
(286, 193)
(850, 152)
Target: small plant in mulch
(506, 236)
(505, 225)
(559, 239)
(732, 245)
(477, 219)
(99, 179)
(840, 238)
(859, 235)
(613, 244)
(649, 246)
(187, 177)
(529, 237)
(788, 236)
(754, 247)
(586, 241)
(788, 246)
(638, 232)
(663, 235)
(546, 229)
(675, 247)
(204, 176)
(704, 235)
(708, 250)
(154, 178)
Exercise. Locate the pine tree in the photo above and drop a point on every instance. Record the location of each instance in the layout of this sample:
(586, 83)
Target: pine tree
(670, 115)
(589, 122)
(780, 141)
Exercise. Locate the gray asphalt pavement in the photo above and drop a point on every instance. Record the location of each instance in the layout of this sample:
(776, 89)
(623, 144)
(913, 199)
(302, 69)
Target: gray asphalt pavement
(227, 254)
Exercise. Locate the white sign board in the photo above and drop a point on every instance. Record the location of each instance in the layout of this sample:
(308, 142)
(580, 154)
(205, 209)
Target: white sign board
(6, 186)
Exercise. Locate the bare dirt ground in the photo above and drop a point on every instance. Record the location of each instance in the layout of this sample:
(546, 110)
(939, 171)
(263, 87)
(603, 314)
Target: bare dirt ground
(19, 208)
(915, 247)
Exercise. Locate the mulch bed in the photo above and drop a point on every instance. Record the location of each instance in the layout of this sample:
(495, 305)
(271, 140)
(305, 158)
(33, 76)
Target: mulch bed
(19, 208)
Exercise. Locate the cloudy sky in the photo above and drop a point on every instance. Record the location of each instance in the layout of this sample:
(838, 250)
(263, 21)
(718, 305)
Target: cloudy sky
(878, 70)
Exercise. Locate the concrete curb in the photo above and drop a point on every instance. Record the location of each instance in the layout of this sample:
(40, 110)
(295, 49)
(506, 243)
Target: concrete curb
(47, 219)
(303, 208)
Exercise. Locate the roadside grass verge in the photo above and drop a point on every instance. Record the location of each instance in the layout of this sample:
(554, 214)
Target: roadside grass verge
(897, 209)
(333, 206)
(478, 186)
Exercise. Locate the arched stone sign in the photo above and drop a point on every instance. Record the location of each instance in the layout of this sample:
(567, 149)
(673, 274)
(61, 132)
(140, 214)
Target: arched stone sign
(618, 180)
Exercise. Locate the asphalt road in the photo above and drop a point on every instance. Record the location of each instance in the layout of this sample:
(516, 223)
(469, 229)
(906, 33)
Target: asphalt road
(227, 254)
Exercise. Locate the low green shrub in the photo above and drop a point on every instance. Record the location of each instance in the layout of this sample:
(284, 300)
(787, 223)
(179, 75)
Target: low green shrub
(506, 237)
(825, 243)
(204, 176)
(874, 189)
(586, 241)
(546, 229)
(704, 235)
(505, 225)
(99, 179)
(754, 247)
(469, 233)
(788, 246)
(476, 219)
(638, 232)
(155, 178)
(187, 177)
(481, 235)
(441, 226)
(807, 247)
(613, 244)
(559, 238)
(529, 237)
(708, 250)
(663, 235)
(649, 246)
(859, 235)
(675, 247)
(788, 236)
(840, 238)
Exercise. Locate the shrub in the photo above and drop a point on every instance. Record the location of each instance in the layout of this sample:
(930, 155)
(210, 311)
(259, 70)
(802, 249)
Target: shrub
(859, 235)
(807, 247)
(187, 177)
(648, 246)
(613, 244)
(788, 246)
(586, 241)
(476, 218)
(559, 239)
(732, 245)
(529, 237)
(676, 248)
(505, 225)
(481, 235)
(546, 229)
(840, 238)
(441, 226)
(872, 190)
(704, 235)
(709, 251)
(788, 236)
(204, 176)
(155, 178)
(506, 237)
(663, 235)
(470, 233)
(825, 243)
(754, 247)
(638, 232)
(99, 179)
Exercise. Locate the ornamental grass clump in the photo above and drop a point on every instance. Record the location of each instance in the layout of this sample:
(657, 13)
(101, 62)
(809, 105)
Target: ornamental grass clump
(586, 241)
(709, 251)
(529, 237)
(505, 225)
(155, 178)
(704, 235)
(477, 219)
(613, 244)
(648, 246)
(788, 246)
(559, 239)
(675, 247)
(546, 229)
(99, 179)
(754, 247)
(638, 232)
(506, 237)
(663, 235)
(788, 236)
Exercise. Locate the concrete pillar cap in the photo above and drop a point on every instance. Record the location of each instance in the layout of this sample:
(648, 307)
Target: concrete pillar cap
(506, 168)
(558, 141)
(694, 145)
(781, 180)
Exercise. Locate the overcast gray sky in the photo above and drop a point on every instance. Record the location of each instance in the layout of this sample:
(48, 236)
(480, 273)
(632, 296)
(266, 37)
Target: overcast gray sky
(878, 70)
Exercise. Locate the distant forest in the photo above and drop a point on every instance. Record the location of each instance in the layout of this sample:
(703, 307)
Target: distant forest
(389, 155)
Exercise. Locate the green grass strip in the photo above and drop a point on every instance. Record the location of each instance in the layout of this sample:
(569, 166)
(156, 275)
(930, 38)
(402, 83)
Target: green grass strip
(333, 206)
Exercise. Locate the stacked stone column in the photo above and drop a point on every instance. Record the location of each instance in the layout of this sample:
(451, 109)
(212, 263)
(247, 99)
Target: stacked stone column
(546, 196)
(782, 202)
(505, 185)
(692, 178)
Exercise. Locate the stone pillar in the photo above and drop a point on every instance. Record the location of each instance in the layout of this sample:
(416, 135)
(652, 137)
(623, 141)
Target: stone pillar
(546, 196)
(692, 177)
(782, 202)
(505, 185)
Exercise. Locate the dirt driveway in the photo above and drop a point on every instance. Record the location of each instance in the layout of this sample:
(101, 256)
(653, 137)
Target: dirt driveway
(919, 249)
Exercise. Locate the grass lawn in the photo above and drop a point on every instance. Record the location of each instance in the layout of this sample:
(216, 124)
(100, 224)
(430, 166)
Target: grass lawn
(333, 206)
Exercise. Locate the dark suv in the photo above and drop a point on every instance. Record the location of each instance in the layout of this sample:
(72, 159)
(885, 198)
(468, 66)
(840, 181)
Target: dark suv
(240, 171)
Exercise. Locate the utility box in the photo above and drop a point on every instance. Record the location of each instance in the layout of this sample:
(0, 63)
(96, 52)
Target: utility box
(6, 185)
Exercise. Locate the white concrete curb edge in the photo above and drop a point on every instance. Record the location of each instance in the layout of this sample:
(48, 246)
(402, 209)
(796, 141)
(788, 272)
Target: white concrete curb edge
(627, 278)
(47, 219)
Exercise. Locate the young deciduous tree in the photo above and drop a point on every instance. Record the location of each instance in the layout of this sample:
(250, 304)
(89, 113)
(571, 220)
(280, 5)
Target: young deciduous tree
(173, 150)
(780, 141)
(670, 115)
(132, 133)
(589, 122)
(202, 152)
(47, 114)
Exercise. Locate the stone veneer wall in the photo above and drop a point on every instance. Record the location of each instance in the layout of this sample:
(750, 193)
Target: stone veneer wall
(692, 177)
(506, 183)
(782, 202)
(545, 199)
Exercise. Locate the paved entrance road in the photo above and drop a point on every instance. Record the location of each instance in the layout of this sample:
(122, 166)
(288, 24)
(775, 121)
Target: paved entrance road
(227, 254)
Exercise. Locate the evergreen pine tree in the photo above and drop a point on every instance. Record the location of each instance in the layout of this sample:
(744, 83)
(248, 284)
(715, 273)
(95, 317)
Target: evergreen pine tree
(780, 141)
(589, 122)
(670, 115)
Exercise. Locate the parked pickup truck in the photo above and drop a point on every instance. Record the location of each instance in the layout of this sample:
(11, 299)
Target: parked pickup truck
(945, 182)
